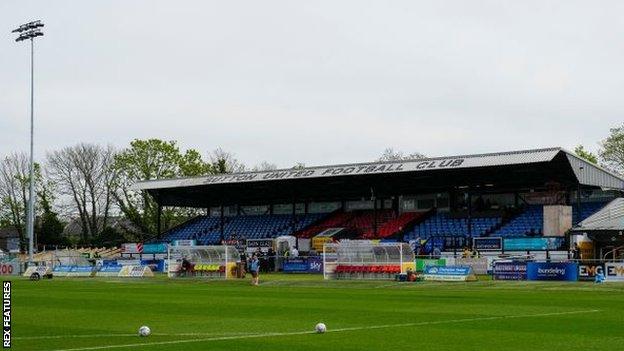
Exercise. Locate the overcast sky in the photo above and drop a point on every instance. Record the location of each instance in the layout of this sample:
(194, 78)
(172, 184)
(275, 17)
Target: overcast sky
(317, 82)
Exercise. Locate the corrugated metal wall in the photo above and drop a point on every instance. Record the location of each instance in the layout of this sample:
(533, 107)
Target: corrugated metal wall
(593, 175)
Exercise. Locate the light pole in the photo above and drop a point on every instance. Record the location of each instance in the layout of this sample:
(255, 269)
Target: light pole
(30, 31)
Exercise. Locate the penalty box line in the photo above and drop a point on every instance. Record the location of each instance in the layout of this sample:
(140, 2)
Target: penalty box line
(382, 326)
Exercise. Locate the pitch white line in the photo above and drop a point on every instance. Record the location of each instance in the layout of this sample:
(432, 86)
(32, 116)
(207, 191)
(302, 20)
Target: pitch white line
(382, 326)
(45, 337)
(78, 336)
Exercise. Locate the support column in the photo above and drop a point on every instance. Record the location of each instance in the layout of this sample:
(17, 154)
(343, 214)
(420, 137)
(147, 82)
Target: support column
(469, 212)
(158, 221)
(375, 216)
(293, 226)
(395, 205)
(578, 204)
(221, 219)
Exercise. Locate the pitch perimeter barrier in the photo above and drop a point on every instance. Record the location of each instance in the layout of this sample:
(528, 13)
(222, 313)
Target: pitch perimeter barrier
(109, 270)
(565, 271)
(422, 263)
(614, 271)
(449, 274)
(311, 264)
(135, 272)
(509, 270)
(587, 270)
(479, 265)
(9, 268)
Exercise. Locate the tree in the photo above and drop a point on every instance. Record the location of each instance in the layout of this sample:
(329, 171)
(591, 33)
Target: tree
(612, 149)
(14, 189)
(389, 154)
(225, 162)
(299, 165)
(264, 166)
(85, 174)
(152, 159)
(585, 154)
(49, 229)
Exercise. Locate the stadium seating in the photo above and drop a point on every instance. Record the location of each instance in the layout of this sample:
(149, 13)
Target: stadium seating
(441, 224)
(303, 221)
(361, 224)
(334, 220)
(531, 221)
(587, 209)
(207, 230)
(196, 228)
(395, 225)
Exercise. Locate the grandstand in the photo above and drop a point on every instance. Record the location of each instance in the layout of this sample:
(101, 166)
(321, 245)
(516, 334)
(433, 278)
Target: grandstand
(456, 197)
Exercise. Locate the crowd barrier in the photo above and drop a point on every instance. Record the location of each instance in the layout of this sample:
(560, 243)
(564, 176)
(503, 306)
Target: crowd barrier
(570, 270)
(310, 264)
(450, 273)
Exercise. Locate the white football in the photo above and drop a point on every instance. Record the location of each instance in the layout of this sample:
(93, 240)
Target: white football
(320, 328)
(144, 331)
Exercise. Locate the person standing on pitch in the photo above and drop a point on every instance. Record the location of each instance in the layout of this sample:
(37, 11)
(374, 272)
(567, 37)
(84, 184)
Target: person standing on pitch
(254, 269)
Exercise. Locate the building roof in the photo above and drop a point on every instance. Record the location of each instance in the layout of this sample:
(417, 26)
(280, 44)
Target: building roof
(527, 168)
(609, 218)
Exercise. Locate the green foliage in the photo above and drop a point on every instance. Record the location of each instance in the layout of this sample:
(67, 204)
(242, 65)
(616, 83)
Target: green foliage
(587, 155)
(109, 237)
(14, 190)
(49, 229)
(612, 152)
(222, 162)
(152, 159)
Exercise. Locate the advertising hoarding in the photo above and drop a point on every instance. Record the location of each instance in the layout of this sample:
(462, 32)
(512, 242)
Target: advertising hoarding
(487, 244)
(509, 270)
(450, 273)
(614, 271)
(587, 270)
(566, 271)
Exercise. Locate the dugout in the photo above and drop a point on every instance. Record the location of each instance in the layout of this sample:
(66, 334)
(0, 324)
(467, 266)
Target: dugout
(366, 259)
(212, 261)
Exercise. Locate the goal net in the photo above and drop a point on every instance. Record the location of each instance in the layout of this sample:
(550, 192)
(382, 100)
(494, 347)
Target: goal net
(366, 259)
(214, 262)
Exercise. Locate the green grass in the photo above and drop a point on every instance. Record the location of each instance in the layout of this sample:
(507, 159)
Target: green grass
(79, 314)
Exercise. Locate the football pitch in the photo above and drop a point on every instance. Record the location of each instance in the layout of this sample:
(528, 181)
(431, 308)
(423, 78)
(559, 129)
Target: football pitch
(280, 314)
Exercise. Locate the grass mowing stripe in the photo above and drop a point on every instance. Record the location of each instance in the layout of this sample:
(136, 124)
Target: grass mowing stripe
(383, 326)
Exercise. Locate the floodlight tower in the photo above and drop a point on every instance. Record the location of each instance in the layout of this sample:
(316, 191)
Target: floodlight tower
(30, 31)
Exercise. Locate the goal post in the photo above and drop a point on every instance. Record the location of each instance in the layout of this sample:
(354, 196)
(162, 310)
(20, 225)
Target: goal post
(211, 262)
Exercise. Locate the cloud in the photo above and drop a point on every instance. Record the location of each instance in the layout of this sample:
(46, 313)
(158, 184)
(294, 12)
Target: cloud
(318, 82)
